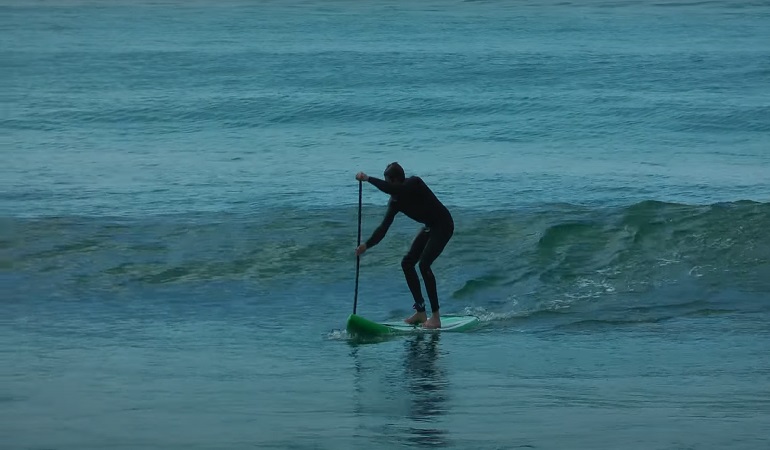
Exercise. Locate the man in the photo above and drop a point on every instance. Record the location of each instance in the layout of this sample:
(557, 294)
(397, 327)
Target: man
(414, 198)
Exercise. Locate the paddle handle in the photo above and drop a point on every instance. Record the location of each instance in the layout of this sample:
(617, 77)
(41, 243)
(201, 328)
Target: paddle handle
(358, 257)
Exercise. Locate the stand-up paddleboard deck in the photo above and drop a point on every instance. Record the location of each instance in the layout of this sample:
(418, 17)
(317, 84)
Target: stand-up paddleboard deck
(358, 325)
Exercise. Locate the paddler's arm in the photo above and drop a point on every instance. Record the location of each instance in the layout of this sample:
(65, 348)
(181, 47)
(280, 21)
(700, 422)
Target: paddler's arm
(382, 229)
(392, 188)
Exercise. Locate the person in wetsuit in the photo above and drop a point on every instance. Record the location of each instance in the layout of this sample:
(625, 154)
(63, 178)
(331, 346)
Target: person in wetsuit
(415, 199)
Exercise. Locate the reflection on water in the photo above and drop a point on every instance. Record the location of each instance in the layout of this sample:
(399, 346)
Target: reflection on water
(427, 385)
(411, 395)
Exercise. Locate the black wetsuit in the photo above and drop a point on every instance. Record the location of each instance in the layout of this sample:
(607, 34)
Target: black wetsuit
(415, 199)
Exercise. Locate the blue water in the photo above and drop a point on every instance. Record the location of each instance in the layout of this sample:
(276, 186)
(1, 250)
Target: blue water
(178, 213)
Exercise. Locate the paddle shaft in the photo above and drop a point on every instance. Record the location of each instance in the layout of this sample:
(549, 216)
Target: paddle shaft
(358, 257)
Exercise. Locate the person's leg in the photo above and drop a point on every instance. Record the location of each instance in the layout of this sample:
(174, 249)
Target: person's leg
(435, 245)
(407, 264)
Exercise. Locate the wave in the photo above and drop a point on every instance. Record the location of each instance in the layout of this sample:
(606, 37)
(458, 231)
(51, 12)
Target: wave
(634, 264)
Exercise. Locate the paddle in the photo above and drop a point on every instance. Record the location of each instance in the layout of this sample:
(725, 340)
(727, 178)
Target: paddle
(358, 257)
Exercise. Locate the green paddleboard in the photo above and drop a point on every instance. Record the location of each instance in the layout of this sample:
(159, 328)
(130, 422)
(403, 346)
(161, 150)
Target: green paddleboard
(361, 326)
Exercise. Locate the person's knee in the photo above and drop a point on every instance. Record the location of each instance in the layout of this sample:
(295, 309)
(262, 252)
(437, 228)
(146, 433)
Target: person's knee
(425, 268)
(408, 263)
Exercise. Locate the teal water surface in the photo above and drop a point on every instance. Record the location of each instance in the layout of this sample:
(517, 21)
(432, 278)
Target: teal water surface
(178, 213)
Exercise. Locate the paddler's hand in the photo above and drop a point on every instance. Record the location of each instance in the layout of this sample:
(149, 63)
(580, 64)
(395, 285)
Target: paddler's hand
(360, 176)
(360, 249)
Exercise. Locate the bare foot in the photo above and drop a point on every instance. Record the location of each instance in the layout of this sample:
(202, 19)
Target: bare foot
(416, 318)
(433, 322)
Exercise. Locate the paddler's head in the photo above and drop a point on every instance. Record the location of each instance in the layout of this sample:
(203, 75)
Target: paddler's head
(394, 173)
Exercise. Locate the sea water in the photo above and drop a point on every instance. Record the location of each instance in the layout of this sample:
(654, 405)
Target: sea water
(178, 213)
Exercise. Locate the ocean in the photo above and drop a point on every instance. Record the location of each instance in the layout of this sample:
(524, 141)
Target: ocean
(179, 212)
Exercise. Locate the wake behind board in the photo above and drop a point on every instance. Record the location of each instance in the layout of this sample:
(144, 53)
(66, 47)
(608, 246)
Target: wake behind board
(364, 327)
